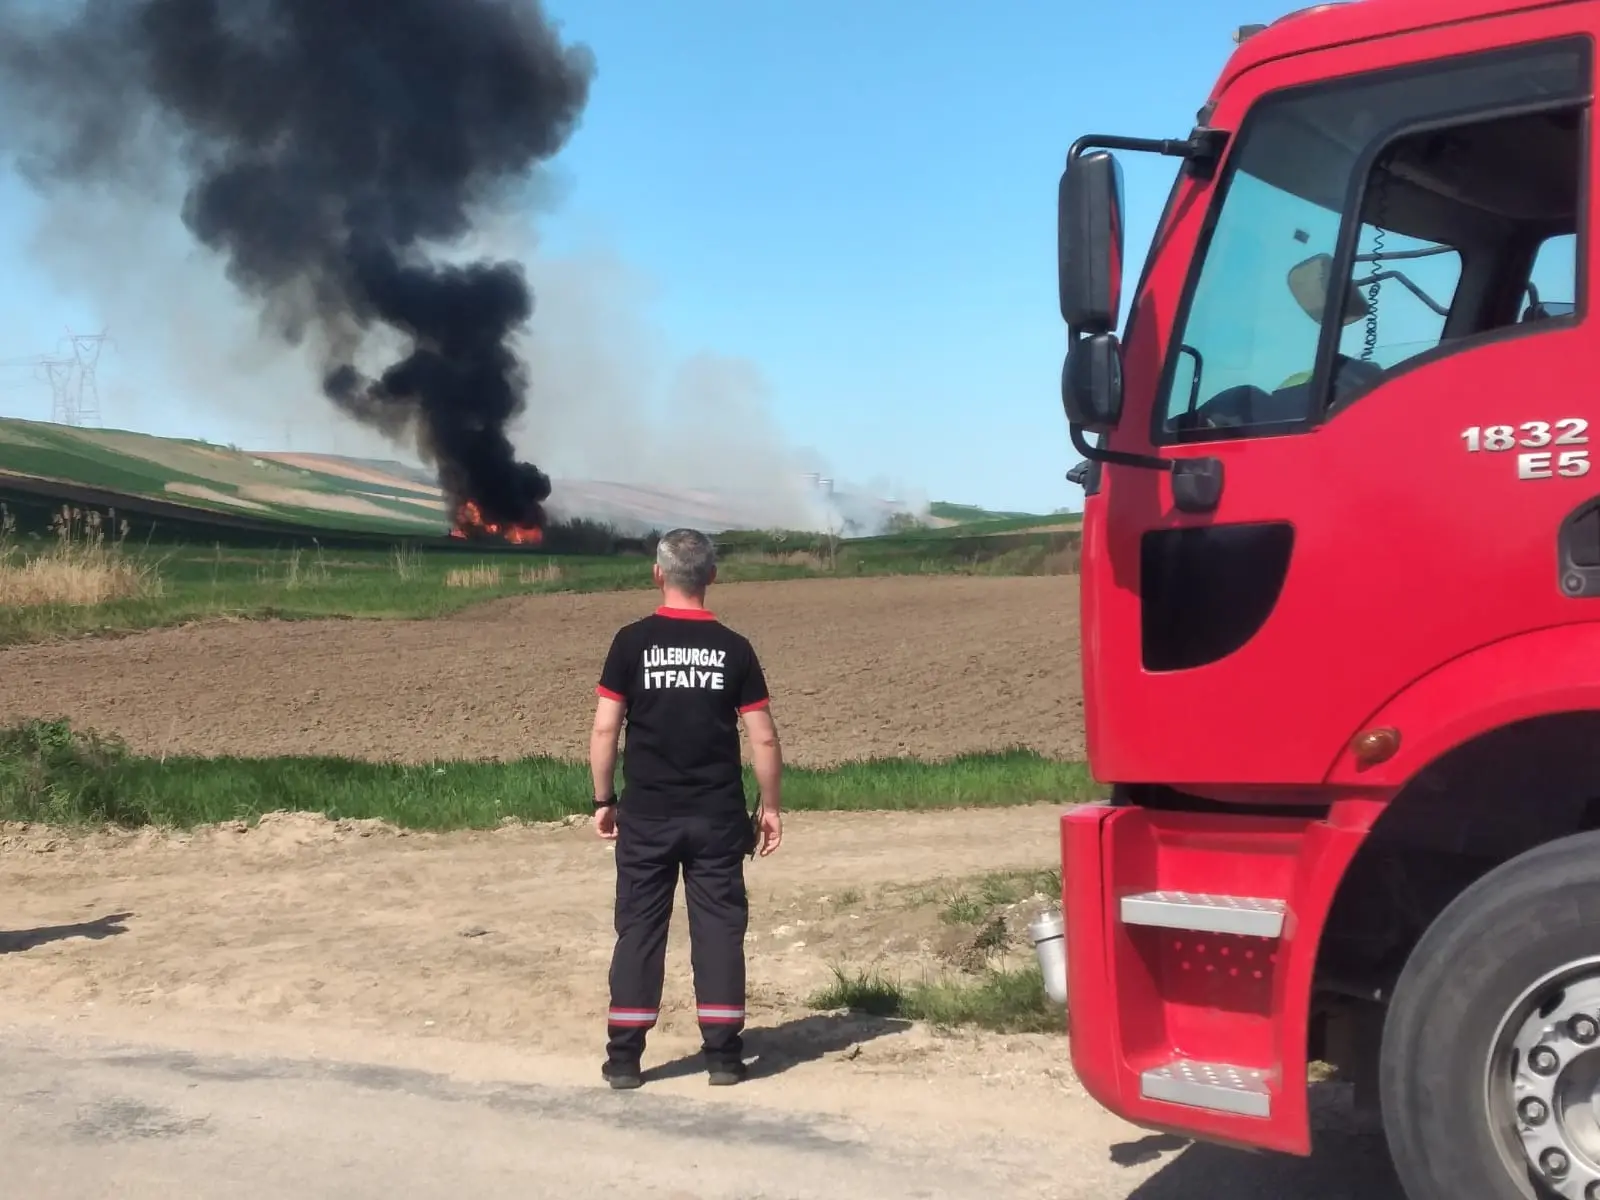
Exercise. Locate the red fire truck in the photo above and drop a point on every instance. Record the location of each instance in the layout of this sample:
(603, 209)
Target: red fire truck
(1341, 599)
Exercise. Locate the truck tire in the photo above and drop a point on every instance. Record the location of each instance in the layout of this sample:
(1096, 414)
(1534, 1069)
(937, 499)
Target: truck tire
(1490, 1065)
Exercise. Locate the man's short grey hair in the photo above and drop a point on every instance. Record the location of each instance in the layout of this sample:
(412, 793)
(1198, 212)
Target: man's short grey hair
(686, 558)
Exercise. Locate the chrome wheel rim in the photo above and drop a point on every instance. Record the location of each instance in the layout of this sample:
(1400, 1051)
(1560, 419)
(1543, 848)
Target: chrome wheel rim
(1542, 1084)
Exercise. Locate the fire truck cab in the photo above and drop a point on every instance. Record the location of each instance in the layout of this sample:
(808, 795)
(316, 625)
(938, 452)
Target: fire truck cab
(1340, 599)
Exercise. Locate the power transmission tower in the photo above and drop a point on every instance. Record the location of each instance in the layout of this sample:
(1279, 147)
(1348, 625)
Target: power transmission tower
(60, 374)
(86, 348)
(73, 375)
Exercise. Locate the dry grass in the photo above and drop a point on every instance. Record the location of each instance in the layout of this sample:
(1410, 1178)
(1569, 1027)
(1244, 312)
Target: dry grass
(548, 573)
(485, 576)
(810, 560)
(472, 577)
(297, 575)
(407, 562)
(82, 568)
(54, 581)
(1063, 562)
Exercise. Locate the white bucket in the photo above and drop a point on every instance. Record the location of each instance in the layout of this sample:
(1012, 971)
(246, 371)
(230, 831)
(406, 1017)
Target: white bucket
(1048, 932)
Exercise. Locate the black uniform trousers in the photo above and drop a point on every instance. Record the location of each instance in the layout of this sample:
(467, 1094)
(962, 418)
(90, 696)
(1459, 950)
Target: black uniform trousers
(710, 848)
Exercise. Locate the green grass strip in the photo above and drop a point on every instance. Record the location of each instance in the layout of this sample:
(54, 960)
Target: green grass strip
(53, 774)
(1005, 1001)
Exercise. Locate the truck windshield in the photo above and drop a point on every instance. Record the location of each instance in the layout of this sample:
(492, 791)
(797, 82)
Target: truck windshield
(1448, 221)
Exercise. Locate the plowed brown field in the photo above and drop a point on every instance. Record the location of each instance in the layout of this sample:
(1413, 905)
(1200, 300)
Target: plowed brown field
(858, 668)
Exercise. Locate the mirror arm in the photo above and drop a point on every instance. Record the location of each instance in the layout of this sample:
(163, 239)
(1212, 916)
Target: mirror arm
(1196, 482)
(1096, 454)
(1203, 145)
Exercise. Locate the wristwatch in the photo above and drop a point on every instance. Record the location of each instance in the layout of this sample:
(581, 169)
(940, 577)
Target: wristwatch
(608, 802)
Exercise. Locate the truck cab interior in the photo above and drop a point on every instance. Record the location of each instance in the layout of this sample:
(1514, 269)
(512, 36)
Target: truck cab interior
(1467, 231)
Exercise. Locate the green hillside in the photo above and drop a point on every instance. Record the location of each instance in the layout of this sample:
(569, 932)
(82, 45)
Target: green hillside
(217, 479)
(969, 518)
(186, 490)
(943, 510)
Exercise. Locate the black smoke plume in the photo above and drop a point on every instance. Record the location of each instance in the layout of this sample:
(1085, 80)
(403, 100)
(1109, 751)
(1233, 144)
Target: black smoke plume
(328, 150)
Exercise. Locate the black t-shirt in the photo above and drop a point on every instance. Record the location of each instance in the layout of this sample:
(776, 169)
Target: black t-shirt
(685, 677)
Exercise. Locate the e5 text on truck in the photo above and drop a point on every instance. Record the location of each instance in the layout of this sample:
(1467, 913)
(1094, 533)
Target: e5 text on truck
(1341, 599)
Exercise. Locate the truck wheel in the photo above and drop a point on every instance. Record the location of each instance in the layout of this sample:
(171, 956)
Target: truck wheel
(1490, 1071)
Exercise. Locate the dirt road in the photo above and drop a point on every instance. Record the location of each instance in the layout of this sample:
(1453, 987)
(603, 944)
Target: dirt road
(929, 667)
(501, 937)
(178, 1115)
(304, 1010)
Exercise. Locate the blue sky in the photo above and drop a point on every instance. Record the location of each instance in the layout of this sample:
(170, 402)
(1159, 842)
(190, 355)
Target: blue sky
(856, 195)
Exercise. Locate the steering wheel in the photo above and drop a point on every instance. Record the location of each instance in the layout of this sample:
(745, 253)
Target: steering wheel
(1246, 404)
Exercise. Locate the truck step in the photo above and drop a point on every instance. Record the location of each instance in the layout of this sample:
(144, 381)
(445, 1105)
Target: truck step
(1242, 915)
(1217, 1087)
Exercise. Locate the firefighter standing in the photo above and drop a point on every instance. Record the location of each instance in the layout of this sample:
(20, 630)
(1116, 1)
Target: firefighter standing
(683, 681)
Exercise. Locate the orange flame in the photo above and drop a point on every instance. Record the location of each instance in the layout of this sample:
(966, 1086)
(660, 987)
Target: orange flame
(470, 523)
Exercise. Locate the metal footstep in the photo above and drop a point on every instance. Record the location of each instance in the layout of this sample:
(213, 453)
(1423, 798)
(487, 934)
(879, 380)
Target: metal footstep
(1246, 916)
(1217, 1087)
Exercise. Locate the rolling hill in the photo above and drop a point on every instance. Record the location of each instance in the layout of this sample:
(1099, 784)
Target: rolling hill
(175, 476)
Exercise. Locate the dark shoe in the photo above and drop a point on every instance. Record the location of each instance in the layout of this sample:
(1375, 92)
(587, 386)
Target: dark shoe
(728, 1074)
(622, 1076)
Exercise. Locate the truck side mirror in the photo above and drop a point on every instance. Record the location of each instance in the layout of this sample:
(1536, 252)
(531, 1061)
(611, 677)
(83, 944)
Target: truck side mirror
(1091, 383)
(1089, 242)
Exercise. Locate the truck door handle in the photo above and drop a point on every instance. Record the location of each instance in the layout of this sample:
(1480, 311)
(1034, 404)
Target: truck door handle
(1578, 551)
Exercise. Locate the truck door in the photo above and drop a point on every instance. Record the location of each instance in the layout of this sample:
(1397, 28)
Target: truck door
(1378, 326)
